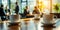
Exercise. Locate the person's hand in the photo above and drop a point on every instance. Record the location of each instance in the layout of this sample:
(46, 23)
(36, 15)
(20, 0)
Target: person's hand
(7, 14)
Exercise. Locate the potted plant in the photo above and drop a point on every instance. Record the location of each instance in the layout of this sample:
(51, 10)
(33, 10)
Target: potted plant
(56, 7)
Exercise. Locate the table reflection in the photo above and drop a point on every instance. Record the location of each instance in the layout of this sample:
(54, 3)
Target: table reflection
(31, 26)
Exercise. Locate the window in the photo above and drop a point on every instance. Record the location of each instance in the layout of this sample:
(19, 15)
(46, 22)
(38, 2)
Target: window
(12, 5)
(0, 1)
(23, 0)
(23, 6)
(13, 1)
(4, 2)
(31, 4)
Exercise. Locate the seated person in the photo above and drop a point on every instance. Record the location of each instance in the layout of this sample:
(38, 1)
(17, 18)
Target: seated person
(36, 10)
(7, 11)
(26, 11)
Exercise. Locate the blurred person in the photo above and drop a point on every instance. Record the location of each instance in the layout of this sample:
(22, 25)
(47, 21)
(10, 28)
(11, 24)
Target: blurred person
(26, 11)
(17, 8)
(2, 14)
(7, 11)
(36, 10)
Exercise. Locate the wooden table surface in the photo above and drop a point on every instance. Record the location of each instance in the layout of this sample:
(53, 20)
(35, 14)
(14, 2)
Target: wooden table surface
(31, 26)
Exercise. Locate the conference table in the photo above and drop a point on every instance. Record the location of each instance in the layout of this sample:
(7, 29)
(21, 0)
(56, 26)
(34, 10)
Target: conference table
(30, 22)
(31, 26)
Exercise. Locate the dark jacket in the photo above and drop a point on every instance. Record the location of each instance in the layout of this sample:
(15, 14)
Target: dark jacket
(25, 12)
(2, 12)
(17, 9)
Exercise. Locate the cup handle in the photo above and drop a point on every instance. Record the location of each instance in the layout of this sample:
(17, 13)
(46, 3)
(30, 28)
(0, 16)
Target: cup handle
(55, 18)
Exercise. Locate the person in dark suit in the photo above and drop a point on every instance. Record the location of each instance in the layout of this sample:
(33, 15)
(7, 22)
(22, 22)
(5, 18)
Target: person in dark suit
(2, 14)
(16, 8)
(26, 11)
